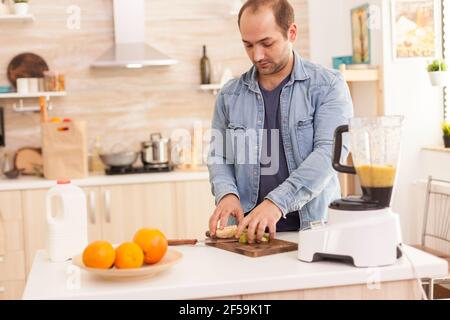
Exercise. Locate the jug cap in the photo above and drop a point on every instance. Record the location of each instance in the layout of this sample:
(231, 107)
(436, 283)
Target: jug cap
(63, 182)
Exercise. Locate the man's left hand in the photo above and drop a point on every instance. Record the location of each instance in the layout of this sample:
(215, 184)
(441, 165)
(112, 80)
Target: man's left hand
(265, 215)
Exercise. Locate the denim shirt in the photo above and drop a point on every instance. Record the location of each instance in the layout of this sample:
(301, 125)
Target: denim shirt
(313, 103)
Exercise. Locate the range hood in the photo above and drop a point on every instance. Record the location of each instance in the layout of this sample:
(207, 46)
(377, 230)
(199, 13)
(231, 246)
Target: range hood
(130, 49)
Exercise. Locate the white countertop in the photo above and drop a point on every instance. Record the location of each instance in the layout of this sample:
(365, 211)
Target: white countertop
(29, 182)
(206, 272)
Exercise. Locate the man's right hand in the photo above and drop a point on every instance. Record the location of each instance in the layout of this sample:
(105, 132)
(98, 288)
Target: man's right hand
(228, 206)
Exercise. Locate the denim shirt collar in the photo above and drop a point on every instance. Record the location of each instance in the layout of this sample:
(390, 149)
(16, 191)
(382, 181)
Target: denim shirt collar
(298, 74)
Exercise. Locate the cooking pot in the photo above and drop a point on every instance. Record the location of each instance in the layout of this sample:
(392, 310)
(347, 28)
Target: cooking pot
(119, 159)
(155, 151)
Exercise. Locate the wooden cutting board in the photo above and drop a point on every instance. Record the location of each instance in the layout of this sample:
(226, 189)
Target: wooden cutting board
(258, 249)
(26, 65)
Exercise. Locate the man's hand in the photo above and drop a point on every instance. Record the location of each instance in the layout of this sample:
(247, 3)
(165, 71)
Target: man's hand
(265, 215)
(228, 206)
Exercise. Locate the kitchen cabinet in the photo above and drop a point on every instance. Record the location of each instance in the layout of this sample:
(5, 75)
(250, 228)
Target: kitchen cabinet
(93, 201)
(11, 290)
(35, 223)
(116, 212)
(180, 209)
(195, 205)
(12, 254)
(126, 208)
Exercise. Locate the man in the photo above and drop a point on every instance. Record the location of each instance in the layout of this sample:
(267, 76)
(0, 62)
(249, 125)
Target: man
(285, 108)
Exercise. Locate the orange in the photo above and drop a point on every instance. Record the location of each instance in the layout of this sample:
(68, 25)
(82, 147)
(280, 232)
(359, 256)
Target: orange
(153, 243)
(99, 255)
(129, 255)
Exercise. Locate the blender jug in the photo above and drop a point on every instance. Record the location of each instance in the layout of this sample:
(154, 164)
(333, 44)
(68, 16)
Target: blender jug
(375, 147)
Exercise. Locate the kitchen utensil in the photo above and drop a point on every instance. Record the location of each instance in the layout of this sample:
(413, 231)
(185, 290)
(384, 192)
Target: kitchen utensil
(33, 85)
(182, 242)
(22, 85)
(5, 89)
(6, 165)
(54, 81)
(12, 174)
(119, 159)
(67, 225)
(255, 250)
(146, 271)
(362, 229)
(29, 160)
(26, 65)
(156, 151)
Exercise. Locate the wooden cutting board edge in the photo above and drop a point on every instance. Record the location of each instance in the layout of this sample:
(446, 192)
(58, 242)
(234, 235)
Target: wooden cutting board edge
(238, 248)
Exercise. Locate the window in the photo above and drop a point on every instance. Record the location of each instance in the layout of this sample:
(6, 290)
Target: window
(446, 51)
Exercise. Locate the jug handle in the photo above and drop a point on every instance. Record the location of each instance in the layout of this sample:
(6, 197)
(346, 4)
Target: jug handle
(51, 195)
(338, 151)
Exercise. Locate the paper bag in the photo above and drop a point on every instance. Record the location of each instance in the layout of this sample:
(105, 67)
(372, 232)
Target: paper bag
(64, 149)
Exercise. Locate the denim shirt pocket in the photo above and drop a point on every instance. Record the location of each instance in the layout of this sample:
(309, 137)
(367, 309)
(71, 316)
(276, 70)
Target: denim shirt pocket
(239, 143)
(305, 137)
(235, 126)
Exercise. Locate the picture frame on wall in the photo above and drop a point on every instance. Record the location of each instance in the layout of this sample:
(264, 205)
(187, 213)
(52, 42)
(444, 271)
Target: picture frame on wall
(361, 34)
(414, 29)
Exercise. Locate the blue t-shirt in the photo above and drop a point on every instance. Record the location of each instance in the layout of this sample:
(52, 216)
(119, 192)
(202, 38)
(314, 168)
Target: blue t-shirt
(274, 170)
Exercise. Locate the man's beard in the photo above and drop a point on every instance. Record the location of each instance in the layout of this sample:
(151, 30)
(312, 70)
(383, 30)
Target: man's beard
(272, 68)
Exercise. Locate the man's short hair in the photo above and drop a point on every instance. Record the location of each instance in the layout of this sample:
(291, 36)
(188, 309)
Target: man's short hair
(282, 10)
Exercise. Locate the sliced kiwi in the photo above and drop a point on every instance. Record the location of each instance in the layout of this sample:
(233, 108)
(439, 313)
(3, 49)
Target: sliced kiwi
(243, 239)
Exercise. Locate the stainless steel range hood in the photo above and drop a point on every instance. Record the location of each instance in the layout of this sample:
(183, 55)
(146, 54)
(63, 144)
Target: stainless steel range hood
(130, 49)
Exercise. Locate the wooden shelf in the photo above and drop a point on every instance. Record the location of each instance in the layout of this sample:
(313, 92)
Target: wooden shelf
(14, 17)
(215, 87)
(437, 149)
(21, 108)
(47, 94)
(365, 75)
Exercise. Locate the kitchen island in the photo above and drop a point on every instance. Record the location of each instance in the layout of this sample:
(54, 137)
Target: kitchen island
(209, 273)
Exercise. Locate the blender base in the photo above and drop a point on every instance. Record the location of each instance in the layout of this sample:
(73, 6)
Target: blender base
(363, 238)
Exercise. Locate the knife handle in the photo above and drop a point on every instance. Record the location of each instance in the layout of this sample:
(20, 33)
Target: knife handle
(182, 242)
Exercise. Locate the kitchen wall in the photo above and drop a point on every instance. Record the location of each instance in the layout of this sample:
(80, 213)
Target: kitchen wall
(123, 105)
(326, 15)
(407, 91)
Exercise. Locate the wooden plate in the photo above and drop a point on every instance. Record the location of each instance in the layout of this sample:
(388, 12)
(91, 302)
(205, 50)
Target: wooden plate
(146, 271)
(26, 65)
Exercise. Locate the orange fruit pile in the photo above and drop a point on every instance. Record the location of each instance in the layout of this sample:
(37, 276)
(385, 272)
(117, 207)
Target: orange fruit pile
(149, 246)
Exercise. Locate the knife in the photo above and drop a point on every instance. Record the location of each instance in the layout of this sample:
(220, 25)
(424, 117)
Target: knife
(182, 242)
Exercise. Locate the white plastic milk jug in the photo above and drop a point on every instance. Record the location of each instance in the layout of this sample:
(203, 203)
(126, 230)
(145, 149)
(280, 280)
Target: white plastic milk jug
(66, 221)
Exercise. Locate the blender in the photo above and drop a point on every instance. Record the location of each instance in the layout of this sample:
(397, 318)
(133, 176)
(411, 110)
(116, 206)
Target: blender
(361, 230)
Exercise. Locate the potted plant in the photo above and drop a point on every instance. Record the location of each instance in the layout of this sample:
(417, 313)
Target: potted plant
(21, 7)
(437, 70)
(446, 132)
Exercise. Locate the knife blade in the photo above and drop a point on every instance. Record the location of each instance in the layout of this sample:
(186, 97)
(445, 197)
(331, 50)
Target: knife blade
(182, 242)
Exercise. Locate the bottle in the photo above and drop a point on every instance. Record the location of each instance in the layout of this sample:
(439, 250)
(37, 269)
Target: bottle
(66, 221)
(96, 163)
(205, 68)
(43, 109)
(6, 166)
